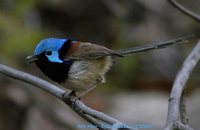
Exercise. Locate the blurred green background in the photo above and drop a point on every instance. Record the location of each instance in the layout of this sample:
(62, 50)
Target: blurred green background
(113, 23)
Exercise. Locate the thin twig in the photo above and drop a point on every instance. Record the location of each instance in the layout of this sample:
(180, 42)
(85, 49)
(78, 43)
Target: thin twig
(84, 111)
(185, 10)
(178, 87)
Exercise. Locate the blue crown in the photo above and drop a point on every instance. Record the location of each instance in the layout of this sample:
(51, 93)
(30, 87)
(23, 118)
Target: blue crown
(53, 44)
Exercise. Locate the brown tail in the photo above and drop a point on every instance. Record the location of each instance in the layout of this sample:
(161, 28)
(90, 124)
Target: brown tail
(148, 47)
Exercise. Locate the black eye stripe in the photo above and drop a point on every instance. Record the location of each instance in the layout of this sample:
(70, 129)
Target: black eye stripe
(48, 53)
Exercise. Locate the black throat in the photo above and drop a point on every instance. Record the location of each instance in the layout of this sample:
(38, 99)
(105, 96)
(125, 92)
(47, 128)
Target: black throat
(57, 72)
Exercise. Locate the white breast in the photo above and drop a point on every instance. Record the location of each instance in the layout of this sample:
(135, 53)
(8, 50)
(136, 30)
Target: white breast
(84, 74)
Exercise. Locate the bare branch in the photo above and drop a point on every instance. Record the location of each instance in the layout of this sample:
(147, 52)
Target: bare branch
(178, 87)
(183, 110)
(185, 10)
(30, 79)
(92, 120)
(94, 117)
(179, 126)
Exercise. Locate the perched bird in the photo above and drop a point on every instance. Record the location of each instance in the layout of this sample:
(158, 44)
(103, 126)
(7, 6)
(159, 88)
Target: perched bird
(80, 66)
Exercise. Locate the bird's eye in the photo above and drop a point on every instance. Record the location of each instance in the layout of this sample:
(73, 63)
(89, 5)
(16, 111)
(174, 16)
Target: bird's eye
(48, 53)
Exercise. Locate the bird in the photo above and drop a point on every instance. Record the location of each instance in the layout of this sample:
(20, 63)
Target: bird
(81, 66)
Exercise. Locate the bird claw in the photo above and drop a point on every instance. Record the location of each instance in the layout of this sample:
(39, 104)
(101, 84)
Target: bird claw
(70, 97)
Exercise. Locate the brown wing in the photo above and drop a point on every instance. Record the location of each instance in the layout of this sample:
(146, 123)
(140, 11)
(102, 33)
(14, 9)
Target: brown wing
(89, 51)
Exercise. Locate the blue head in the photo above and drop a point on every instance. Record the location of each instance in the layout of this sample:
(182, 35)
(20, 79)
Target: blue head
(49, 55)
(50, 48)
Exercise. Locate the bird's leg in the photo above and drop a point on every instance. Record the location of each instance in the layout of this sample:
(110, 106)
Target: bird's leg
(98, 81)
(72, 93)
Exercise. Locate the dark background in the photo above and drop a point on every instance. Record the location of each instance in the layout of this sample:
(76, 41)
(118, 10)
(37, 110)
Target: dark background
(137, 87)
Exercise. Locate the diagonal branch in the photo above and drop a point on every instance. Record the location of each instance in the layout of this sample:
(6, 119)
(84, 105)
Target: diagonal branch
(174, 115)
(183, 110)
(185, 10)
(94, 117)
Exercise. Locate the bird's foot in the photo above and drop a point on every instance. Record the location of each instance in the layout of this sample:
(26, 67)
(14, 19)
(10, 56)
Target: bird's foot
(70, 97)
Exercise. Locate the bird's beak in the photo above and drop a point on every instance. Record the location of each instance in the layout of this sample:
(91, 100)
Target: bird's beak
(32, 58)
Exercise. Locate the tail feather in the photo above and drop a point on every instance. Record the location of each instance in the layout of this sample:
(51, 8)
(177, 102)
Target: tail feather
(148, 47)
